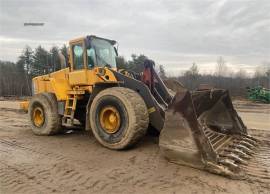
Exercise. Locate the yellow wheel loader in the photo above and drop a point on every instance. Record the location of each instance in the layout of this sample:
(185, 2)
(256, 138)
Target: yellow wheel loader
(199, 129)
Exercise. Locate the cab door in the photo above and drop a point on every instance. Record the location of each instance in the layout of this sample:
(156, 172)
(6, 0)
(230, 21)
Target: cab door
(78, 73)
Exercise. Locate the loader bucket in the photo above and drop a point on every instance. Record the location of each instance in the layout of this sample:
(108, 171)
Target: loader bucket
(203, 130)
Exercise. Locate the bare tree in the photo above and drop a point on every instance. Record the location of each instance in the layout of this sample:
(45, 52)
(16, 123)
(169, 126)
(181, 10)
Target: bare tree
(191, 76)
(162, 72)
(194, 70)
(266, 68)
(221, 67)
(242, 73)
(221, 72)
(262, 75)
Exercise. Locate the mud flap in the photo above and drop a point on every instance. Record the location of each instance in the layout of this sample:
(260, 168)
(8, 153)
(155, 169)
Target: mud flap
(203, 130)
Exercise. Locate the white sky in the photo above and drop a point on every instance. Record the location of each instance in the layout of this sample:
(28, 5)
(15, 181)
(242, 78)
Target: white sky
(173, 33)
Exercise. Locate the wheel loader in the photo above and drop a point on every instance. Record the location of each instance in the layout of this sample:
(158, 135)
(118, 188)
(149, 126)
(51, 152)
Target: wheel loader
(200, 129)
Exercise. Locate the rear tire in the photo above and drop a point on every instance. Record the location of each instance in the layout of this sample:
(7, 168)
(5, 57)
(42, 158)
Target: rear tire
(54, 103)
(133, 117)
(43, 114)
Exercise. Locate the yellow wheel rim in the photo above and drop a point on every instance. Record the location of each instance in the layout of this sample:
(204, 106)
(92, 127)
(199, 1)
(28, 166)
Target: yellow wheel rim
(38, 117)
(110, 119)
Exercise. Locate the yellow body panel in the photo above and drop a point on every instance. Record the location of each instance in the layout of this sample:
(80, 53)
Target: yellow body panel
(79, 77)
(100, 75)
(56, 82)
(63, 81)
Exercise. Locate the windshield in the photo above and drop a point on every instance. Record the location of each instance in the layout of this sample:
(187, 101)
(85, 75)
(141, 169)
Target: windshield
(101, 54)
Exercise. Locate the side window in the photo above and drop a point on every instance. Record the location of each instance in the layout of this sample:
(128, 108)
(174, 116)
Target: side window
(91, 55)
(78, 57)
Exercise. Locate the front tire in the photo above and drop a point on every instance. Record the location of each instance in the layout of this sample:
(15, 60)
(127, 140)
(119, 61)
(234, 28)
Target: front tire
(118, 117)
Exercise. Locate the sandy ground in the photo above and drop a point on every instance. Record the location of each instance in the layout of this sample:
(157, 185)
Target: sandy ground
(254, 115)
(76, 163)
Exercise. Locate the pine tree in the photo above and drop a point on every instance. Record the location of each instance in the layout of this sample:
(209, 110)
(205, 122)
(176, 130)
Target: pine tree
(25, 61)
(136, 64)
(64, 51)
(54, 58)
(41, 62)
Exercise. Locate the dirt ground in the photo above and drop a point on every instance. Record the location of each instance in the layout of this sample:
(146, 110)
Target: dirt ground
(77, 163)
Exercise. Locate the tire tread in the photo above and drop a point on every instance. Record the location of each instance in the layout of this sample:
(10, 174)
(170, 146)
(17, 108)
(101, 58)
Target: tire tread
(137, 112)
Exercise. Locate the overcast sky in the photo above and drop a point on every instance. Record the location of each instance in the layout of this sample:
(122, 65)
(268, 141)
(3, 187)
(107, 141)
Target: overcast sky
(173, 33)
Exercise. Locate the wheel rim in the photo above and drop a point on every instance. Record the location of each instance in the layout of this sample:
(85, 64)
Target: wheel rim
(110, 119)
(38, 117)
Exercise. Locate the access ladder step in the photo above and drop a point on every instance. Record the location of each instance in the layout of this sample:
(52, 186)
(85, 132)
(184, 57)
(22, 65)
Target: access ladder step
(70, 108)
(67, 122)
(68, 116)
(76, 92)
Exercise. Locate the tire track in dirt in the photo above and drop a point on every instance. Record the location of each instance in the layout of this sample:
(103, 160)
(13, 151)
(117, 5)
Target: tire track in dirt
(64, 173)
(18, 180)
(59, 173)
(44, 170)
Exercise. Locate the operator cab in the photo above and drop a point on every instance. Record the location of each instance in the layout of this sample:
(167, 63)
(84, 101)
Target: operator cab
(92, 51)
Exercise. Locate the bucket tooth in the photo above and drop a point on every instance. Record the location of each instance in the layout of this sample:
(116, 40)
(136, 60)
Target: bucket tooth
(230, 163)
(251, 141)
(243, 148)
(238, 152)
(252, 138)
(222, 170)
(245, 143)
(235, 158)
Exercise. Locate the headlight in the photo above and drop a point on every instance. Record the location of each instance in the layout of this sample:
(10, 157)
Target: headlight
(101, 71)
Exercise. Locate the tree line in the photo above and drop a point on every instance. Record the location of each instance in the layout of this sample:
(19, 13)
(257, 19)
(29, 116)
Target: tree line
(15, 78)
(236, 82)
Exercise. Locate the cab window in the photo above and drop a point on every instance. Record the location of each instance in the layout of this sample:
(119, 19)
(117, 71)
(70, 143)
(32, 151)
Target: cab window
(91, 56)
(104, 53)
(78, 56)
